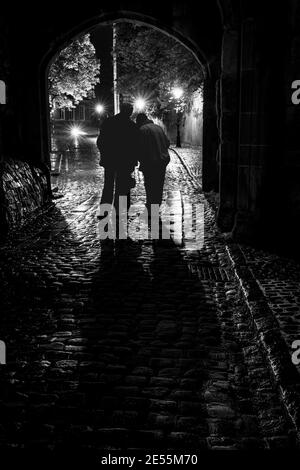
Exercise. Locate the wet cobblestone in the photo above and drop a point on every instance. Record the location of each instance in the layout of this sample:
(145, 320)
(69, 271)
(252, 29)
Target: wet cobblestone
(279, 279)
(113, 344)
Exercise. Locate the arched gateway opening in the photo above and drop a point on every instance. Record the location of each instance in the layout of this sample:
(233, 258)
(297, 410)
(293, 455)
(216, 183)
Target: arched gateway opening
(108, 20)
(159, 72)
(26, 116)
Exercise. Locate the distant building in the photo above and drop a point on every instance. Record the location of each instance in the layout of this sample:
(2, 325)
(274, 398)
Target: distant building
(84, 112)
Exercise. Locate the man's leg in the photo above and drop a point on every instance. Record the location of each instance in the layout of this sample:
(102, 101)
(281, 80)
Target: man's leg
(122, 207)
(161, 173)
(108, 188)
(107, 192)
(155, 184)
(122, 189)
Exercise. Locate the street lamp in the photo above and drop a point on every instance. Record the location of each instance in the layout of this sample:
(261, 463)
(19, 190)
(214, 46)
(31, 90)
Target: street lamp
(99, 108)
(177, 93)
(140, 104)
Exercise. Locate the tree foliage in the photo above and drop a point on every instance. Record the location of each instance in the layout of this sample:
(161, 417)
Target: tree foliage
(150, 64)
(73, 74)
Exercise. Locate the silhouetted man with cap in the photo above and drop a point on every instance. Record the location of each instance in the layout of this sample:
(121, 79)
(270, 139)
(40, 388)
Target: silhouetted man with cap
(154, 158)
(118, 143)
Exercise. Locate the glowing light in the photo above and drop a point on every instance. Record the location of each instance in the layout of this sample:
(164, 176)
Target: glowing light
(99, 108)
(140, 104)
(177, 92)
(76, 131)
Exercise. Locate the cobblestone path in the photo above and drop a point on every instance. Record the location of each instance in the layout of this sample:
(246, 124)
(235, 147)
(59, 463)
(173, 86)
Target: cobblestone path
(128, 345)
(279, 279)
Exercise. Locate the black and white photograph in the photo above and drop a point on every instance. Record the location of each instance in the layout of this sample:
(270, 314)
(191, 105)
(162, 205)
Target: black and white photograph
(149, 231)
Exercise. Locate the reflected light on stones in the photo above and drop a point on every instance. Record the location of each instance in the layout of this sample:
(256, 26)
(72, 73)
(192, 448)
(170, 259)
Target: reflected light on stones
(76, 131)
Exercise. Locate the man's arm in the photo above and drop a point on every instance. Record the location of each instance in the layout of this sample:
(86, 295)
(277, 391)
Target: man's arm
(167, 140)
(102, 137)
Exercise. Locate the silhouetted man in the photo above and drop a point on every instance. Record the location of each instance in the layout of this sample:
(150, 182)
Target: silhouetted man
(118, 143)
(154, 158)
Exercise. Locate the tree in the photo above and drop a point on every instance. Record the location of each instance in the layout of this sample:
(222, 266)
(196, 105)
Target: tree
(151, 63)
(73, 74)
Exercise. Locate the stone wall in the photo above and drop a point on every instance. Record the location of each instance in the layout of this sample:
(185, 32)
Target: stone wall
(290, 168)
(228, 118)
(24, 192)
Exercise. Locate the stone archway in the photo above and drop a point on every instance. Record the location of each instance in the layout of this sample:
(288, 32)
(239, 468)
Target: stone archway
(244, 57)
(210, 131)
(201, 37)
